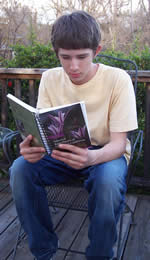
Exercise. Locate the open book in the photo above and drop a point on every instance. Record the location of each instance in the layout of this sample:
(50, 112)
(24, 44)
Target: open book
(49, 127)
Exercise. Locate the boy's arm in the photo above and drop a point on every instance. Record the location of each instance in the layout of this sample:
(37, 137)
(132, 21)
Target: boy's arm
(80, 157)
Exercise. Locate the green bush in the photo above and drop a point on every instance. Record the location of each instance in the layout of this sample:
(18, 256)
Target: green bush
(43, 56)
(32, 56)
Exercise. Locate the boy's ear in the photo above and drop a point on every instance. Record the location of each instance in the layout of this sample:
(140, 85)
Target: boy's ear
(98, 50)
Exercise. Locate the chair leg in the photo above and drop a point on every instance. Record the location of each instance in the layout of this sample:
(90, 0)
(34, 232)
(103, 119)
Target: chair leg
(120, 237)
(132, 214)
(17, 241)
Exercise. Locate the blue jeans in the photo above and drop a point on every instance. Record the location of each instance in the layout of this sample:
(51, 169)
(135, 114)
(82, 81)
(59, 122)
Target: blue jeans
(106, 186)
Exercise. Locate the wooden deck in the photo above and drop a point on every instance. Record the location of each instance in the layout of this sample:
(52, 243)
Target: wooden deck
(71, 227)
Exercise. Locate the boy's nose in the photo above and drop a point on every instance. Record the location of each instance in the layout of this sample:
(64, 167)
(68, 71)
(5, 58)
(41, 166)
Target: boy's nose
(74, 65)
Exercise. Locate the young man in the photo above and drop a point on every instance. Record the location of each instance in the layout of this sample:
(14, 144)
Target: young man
(110, 102)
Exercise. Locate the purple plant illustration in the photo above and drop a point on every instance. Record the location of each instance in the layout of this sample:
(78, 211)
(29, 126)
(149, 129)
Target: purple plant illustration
(80, 133)
(57, 125)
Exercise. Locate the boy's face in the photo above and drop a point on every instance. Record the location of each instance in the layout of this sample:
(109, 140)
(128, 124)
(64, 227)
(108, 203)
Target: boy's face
(78, 64)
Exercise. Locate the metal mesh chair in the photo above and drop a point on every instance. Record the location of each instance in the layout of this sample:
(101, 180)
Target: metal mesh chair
(8, 152)
(73, 195)
(7, 145)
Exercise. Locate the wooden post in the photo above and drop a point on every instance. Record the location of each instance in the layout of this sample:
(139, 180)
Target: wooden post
(147, 134)
(4, 110)
(18, 88)
(32, 97)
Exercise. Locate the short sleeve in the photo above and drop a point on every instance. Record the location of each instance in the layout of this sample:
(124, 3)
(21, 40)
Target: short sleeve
(122, 111)
(43, 96)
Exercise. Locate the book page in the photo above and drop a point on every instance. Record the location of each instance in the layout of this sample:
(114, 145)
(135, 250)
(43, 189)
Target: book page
(44, 110)
(83, 107)
(21, 103)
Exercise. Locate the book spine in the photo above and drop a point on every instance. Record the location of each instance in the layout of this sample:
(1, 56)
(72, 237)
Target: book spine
(42, 134)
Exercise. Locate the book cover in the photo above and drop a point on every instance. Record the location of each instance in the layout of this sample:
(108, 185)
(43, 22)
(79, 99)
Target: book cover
(65, 125)
(50, 127)
(25, 119)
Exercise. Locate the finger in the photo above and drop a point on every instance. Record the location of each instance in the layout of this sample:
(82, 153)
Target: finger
(72, 148)
(32, 150)
(26, 141)
(73, 163)
(59, 155)
(33, 157)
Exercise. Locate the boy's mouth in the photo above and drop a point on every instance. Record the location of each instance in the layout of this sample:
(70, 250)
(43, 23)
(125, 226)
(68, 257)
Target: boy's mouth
(75, 75)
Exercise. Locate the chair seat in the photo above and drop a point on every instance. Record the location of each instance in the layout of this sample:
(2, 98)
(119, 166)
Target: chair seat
(68, 196)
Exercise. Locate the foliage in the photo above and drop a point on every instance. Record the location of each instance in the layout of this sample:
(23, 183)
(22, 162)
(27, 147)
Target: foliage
(35, 55)
(142, 60)
(38, 55)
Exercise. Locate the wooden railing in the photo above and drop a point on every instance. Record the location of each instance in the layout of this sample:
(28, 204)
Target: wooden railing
(35, 74)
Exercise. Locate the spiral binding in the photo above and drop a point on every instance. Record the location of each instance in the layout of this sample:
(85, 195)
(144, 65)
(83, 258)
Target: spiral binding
(41, 130)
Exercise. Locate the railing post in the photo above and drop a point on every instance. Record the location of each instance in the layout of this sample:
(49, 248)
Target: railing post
(32, 97)
(4, 107)
(147, 133)
(17, 88)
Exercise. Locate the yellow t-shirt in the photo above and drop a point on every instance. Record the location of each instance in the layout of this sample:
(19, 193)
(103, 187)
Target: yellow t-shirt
(109, 98)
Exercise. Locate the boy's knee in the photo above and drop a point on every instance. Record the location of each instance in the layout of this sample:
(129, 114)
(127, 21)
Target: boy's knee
(111, 180)
(18, 172)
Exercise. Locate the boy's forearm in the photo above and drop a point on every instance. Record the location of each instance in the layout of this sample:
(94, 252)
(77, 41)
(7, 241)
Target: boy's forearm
(109, 152)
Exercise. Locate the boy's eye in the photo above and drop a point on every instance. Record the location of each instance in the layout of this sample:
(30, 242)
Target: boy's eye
(82, 57)
(66, 57)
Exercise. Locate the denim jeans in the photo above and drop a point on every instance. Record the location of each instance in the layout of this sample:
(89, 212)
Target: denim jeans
(106, 186)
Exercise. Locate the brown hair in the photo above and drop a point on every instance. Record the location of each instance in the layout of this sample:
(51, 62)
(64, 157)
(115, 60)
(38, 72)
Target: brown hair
(77, 30)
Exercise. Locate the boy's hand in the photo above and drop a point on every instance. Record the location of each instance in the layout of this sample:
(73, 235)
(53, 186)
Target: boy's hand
(31, 154)
(76, 157)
